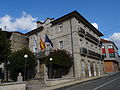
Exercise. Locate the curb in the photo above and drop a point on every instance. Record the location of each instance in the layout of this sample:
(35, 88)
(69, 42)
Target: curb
(65, 85)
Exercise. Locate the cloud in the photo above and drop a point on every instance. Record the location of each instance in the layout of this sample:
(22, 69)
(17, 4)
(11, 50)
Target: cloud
(95, 25)
(115, 37)
(24, 23)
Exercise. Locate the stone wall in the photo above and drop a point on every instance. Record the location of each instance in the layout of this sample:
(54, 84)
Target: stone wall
(13, 86)
(18, 41)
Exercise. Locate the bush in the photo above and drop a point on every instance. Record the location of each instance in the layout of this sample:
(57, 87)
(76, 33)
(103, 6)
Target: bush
(61, 63)
(17, 64)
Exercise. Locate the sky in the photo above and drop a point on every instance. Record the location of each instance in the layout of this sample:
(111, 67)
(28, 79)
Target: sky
(21, 15)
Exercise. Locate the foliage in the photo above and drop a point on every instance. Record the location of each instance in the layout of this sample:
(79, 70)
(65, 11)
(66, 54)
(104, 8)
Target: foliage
(5, 45)
(17, 63)
(61, 63)
(60, 58)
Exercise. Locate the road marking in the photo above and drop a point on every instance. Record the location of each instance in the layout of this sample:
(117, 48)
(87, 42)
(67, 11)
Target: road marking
(105, 83)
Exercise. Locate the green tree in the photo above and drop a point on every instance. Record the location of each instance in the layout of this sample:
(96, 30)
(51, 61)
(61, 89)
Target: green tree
(17, 64)
(5, 45)
(61, 63)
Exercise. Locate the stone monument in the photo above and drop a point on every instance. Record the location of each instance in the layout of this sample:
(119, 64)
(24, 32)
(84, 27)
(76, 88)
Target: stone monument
(19, 78)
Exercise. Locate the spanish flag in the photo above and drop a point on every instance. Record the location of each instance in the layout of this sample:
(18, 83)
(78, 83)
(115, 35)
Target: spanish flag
(42, 44)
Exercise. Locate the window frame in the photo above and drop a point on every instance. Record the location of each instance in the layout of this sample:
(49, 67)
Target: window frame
(60, 26)
(61, 44)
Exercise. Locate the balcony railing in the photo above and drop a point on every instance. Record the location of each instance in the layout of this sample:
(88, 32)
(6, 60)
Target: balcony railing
(83, 51)
(81, 32)
(42, 54)
(91, 38)
(94, 54)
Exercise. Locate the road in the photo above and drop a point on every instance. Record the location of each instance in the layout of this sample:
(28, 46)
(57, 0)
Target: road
(109, 82)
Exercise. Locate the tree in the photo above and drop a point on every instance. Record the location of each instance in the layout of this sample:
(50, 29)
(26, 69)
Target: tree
(17, 64)
(61, 63)
(5, 45)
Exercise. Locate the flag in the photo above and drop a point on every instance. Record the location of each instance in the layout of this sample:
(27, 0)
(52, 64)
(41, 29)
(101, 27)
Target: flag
(42, 44)
(34, 46)
(48, 40)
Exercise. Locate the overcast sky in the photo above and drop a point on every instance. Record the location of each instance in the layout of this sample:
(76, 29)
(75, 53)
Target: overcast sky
(21, 15)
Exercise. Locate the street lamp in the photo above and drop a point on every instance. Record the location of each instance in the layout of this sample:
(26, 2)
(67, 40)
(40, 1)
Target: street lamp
(25, 56)
(8, 63)
(51, 59)
(50, 69)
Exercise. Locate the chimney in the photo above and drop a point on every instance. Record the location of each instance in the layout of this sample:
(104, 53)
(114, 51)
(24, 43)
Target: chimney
(39, 24)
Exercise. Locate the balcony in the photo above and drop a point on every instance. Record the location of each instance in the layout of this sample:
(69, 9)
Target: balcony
(94, 54)
(40, 54)
(83, 51)
(91, 38)
(100, 43)
(81, 32)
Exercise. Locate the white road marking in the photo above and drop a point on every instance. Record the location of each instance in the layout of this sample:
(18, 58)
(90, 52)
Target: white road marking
(105, 83)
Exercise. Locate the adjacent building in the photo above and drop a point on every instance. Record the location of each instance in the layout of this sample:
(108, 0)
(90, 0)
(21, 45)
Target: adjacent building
(75, 34)
(18, 41)
(111, 56)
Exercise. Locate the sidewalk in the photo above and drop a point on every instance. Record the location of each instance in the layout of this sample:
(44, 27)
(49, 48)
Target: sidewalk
(71, 83)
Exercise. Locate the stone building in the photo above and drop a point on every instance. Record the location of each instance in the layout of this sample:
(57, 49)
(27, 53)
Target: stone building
(112, 59)
(75, 34)
(18, 41)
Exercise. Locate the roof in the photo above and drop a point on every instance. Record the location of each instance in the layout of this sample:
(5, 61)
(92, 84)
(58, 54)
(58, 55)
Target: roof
(79, 17)
(17, 32)
(35, 31)
(108, 41)
(45, 20)
(104, 40)
(10, 33)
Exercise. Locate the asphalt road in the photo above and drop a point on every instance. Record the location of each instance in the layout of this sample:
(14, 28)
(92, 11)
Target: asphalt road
(109, 82)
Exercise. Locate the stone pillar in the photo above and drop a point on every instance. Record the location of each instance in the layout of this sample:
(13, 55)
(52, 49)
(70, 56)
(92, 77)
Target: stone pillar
(94, 68)
(45, 73)
(77, 66)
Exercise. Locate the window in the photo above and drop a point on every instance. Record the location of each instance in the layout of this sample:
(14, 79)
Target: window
(48, 47)
(80, 39)
(104, 54)
(89, 69)
(110, 46)
(112, 55)
(83, 67)
(90, 30)
(60, 26)
(60, 44)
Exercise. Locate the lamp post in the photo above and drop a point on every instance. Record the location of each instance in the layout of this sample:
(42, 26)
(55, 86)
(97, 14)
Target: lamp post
(7, 77)
(50, 69)
(25, 56)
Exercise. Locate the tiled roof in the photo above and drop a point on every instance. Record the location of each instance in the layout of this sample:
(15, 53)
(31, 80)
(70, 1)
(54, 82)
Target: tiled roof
(108, 41)
(104, 40)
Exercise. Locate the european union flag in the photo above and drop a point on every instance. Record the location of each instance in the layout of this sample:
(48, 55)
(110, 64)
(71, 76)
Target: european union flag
(48, 40)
